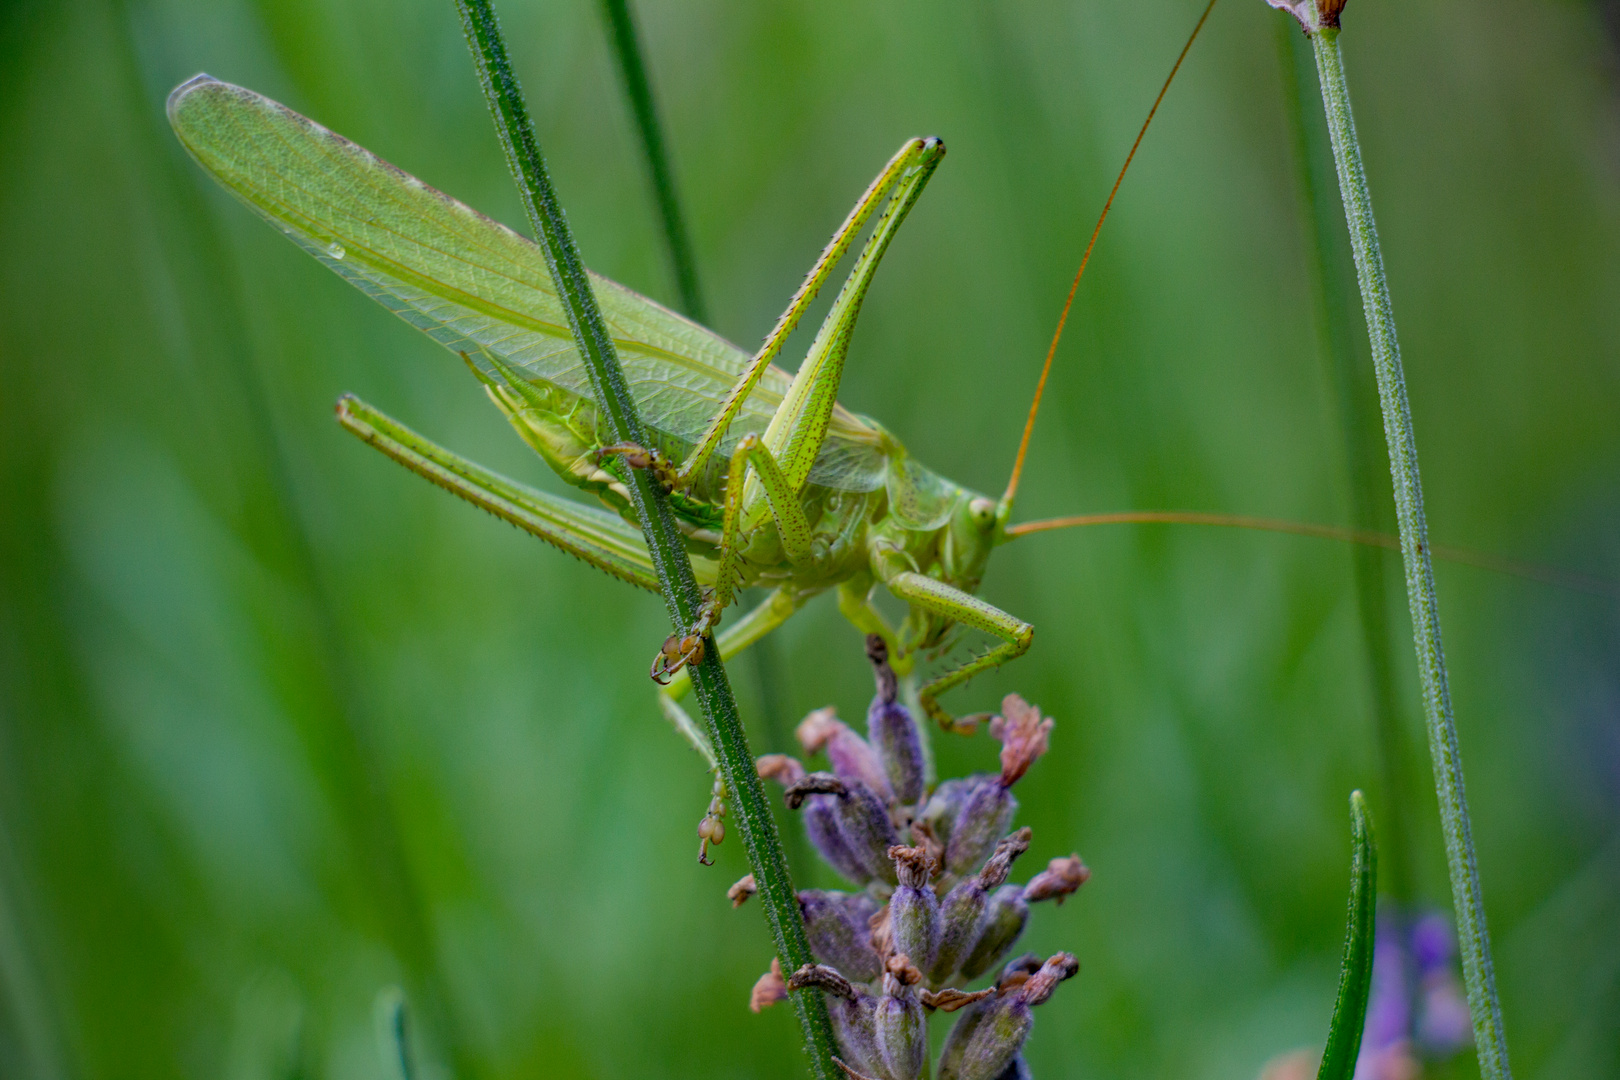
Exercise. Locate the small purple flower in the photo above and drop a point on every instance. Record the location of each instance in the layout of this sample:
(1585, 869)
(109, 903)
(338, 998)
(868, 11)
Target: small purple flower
(1416, 1010)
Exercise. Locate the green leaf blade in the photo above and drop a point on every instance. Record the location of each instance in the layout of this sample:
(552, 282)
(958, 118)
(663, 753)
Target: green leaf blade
(1355, 970)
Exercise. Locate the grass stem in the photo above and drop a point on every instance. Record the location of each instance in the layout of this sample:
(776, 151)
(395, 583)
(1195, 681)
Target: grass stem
(1333, 287)
(1478, 971)
(622, 424)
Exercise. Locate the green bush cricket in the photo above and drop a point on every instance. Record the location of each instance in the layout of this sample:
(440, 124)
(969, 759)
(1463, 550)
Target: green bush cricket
(775, 484)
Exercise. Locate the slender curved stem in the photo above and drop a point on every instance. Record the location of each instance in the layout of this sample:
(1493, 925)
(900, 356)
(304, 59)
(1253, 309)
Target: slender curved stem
(747, 794)
(1478, 970)
(638, 88)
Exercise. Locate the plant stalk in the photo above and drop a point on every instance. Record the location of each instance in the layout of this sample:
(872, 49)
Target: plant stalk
(664, 540)
(638, 88)
(1332, 288)
(1478, 970)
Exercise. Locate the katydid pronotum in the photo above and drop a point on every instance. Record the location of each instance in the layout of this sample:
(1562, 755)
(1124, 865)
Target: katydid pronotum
(774, 483)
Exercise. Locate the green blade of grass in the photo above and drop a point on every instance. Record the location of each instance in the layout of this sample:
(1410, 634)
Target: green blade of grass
(638, 88)
(1355, 970)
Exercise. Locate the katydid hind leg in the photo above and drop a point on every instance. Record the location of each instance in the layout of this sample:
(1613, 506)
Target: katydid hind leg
(601, 539)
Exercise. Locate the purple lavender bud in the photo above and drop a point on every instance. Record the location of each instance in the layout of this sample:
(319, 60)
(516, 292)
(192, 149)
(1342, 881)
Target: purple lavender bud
(821, 823)
(852, 1011)
(990, 1034)
(1006, 915)
(963, 912)
(983, 819)
(863, 819)
(892, 731)
(914, 909)
(847, 824)
(851, 757)
(902, 1030)
(938, 816)
(836, 924)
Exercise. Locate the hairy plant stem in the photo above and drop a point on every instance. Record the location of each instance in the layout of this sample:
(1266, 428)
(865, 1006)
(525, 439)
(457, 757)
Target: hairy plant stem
(664, 541)
(1478, 971)
(1333, 287)
(637, 87)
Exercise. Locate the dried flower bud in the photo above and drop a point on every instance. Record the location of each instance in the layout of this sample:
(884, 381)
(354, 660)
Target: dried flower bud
(1313, 15)
(837, 926)
(783, 769)
(1023, 734)
(852, 758)
(950, 999)
(989, 1035)
(914, 922)
(1005, 917)
(1060, 879)
(983, 818)
(902, 1030)
(770, 988)
(739, 893)
(892, 731)
(963, 912)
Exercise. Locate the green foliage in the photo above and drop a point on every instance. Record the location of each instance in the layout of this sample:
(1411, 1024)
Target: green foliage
(1355, 969)
(281, 724)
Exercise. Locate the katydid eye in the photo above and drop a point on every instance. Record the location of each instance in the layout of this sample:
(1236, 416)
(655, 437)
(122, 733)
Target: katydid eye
(983, 511)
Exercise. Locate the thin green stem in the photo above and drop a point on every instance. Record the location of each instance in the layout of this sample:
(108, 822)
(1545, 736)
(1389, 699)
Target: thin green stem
(633, 69)
(664, 540)
(1332, 291)
(1478, 971)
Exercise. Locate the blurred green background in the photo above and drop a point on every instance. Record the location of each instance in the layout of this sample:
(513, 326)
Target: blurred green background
(280, 724)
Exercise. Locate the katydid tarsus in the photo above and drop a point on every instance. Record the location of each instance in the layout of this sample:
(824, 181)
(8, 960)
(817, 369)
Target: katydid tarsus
(774, 483)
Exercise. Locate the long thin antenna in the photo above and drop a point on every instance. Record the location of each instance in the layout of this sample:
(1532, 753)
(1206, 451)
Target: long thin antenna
(1046, 369)
(1566, 579)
